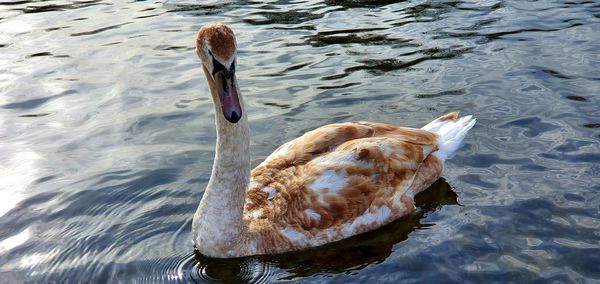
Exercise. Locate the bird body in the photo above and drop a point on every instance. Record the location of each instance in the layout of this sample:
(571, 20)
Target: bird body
(331, 183)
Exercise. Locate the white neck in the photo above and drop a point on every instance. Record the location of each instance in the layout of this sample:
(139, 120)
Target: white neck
(217, 226)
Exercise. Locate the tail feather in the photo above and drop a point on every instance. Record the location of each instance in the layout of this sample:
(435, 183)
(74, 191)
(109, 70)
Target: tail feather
(452, 131)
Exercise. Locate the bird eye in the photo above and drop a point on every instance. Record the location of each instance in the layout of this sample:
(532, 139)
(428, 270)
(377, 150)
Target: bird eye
(217, 66)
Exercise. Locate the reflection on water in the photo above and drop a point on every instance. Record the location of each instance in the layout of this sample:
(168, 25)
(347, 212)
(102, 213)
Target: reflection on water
(107, 134)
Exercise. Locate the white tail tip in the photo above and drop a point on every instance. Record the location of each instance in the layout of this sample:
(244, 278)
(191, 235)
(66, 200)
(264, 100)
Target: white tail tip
(452, 131)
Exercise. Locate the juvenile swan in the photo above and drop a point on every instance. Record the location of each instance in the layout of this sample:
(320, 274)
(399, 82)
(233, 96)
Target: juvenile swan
(331, 183)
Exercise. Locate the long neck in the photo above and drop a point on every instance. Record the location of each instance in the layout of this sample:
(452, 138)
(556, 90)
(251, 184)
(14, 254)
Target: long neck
(218, 226)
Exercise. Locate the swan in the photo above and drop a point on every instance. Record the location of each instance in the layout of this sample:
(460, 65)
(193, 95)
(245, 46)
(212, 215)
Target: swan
(331, 183)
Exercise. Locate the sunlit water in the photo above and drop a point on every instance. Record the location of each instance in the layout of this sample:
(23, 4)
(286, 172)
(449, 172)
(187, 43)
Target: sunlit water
(107, 134)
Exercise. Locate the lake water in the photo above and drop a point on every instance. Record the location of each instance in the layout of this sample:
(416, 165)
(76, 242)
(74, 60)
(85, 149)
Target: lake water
(107, 134)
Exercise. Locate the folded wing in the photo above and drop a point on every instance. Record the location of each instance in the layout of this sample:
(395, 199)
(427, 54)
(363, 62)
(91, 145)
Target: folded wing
(340, 180)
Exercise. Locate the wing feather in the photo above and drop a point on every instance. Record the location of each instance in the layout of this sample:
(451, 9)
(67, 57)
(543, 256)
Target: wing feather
(337, 179)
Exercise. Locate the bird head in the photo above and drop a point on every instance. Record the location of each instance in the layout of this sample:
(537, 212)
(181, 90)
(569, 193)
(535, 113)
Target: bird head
(216, 48)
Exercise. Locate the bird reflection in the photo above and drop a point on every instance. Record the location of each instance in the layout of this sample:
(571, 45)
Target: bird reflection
(343, 256)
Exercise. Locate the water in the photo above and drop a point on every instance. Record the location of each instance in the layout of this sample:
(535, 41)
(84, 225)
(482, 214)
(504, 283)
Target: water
(107, 134)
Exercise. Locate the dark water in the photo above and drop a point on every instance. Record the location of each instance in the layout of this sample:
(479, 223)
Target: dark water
(107, 134)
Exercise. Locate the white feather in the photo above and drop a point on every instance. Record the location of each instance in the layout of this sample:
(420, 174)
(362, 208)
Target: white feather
(312, 214)
(378, 217)
(295, 236)
(332, 180)
(270, 191)
(451, 134)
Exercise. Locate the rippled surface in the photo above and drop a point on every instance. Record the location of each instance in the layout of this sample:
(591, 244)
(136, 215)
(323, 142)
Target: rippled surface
(106, 134)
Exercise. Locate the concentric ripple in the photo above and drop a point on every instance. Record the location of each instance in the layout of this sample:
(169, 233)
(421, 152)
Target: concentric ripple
(245, 270)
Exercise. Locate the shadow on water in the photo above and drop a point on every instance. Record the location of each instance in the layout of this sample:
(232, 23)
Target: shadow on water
(346, 256)
(50, 7)
(203, 9)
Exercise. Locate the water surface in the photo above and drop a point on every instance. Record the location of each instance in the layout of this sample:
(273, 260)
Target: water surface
(107, 134)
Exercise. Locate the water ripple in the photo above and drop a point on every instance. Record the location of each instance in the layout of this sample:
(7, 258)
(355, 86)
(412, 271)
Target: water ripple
(107, 134)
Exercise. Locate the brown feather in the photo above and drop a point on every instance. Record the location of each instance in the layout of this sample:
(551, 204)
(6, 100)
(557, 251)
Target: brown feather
(220, 38)
(373, 163)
